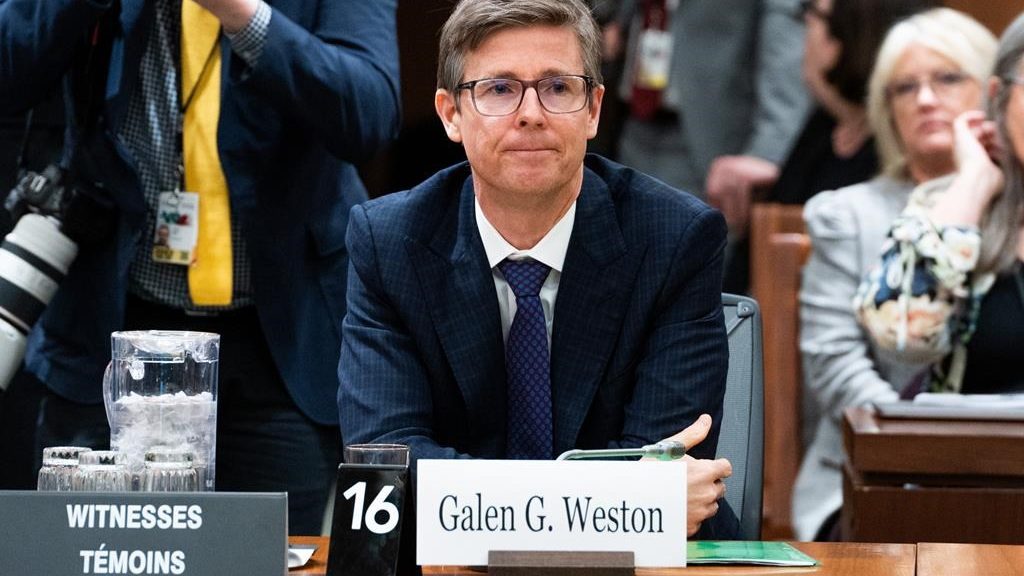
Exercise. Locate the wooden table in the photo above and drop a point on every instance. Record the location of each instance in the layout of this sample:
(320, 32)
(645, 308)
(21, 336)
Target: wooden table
(318, 563)
(987, 559)
(835, 559)
(932, 480)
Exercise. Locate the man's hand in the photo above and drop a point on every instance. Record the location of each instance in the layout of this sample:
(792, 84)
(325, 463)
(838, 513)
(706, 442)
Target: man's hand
(704, 486)
(233, 14)
(732, 181)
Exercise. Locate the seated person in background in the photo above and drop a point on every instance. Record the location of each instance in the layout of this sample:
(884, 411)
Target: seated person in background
(835, 147)
(931, 68)
(949, 290)
(461, 286)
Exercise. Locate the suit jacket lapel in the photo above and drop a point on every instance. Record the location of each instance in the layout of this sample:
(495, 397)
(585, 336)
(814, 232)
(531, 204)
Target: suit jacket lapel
(463, 306)
(593, 294)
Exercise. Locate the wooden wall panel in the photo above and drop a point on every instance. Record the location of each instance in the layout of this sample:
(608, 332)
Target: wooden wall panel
(996, 14)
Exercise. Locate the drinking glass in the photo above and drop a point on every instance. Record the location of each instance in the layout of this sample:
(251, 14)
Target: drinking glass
(388, 454)
(59, 464)
(101, 471)
(169, 470)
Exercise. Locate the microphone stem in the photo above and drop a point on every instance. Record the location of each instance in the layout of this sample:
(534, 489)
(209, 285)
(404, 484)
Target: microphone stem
(598, 454)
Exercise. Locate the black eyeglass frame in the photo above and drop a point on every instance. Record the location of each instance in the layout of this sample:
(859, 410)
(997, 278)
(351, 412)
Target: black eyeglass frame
(527, 84)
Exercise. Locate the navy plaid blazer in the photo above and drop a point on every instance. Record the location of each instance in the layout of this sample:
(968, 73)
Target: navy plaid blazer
(638, 344)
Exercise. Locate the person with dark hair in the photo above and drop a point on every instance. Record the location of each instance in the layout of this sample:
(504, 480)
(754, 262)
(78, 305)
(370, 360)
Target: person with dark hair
(536, 299)
(835, 147)
(259, 110)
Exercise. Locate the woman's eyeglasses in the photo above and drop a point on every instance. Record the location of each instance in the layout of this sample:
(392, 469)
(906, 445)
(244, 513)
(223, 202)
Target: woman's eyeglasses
(942, 84)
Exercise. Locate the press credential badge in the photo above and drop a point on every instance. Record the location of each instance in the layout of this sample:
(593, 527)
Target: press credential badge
(177, 228)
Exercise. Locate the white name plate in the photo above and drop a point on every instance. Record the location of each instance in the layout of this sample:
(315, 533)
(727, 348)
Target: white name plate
(466, 508)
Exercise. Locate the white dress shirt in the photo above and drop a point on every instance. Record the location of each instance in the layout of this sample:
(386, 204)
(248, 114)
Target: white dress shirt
(549, 251)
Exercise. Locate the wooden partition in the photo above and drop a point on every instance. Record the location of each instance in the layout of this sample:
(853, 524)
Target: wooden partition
(996, 14)
(778, 250)
(911, 480)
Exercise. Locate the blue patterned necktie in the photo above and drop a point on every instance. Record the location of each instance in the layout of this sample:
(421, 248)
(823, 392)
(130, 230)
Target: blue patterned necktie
(527, 364)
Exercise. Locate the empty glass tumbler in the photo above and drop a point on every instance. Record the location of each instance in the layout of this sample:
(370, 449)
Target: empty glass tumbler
(169, 471)
(378, 454)
(101, 471)
(59, 464)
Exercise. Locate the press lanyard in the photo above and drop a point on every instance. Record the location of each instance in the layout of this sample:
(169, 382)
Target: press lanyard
(199, 78)
(184, 106)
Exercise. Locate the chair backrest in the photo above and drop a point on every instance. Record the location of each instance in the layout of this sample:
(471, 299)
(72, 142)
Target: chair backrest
(778, 250)
(741, 438)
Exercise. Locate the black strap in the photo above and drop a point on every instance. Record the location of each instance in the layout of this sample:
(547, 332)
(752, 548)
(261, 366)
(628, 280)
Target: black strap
(183, 107)
(90, 71)
(23, 148)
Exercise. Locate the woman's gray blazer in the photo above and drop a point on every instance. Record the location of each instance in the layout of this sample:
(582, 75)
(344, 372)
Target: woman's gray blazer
(840, 366)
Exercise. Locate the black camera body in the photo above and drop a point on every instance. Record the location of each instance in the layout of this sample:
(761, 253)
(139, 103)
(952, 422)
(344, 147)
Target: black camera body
(84, 212)
(42, 192)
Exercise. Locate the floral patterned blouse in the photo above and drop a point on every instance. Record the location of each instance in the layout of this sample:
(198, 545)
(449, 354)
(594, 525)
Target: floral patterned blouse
(924, 298)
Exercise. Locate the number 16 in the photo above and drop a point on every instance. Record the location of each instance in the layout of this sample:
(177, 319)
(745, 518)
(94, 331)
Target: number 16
(379, 504)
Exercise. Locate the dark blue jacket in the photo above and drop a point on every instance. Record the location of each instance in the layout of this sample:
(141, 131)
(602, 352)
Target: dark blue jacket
(323, 95)
(638, 344)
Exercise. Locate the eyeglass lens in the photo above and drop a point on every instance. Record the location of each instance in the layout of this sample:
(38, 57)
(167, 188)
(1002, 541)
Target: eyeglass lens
(942, 84)
(557, 94)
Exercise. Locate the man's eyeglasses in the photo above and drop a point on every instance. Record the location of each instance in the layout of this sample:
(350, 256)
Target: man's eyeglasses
(810, 8)
(503, 96)
(942, 84)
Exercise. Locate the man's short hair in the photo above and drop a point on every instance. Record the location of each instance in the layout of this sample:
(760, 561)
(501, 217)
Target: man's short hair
(473, 21)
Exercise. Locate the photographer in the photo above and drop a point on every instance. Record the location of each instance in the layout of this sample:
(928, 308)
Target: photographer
(258, 114)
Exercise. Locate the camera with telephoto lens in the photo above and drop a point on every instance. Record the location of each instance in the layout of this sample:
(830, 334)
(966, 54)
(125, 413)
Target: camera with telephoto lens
(52, 217)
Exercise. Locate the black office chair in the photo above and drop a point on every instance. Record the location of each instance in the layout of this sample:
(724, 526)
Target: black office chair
(741, 439)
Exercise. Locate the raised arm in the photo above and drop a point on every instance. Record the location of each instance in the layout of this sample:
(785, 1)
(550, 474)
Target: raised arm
(920, 300)
(338, 78)
(39, 39)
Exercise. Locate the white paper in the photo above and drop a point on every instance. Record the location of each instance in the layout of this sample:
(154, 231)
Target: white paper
(299, 554)
(994, 401)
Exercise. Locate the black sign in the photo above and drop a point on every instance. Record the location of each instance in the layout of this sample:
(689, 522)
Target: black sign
(367, 520)
(58, 533)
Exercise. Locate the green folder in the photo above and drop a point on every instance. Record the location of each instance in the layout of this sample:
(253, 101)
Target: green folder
(733, 552)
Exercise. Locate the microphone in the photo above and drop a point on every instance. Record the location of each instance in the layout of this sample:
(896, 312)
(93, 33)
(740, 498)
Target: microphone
(664, 450)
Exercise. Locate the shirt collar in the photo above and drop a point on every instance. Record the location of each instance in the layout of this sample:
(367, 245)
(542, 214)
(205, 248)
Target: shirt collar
(550, 251)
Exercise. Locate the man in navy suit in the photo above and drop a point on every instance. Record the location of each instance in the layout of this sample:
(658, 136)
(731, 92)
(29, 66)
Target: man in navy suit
(630, 347)
(307, 88)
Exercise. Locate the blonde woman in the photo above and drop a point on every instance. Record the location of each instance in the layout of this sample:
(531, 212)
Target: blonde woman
(949, 290)
(930, 69)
